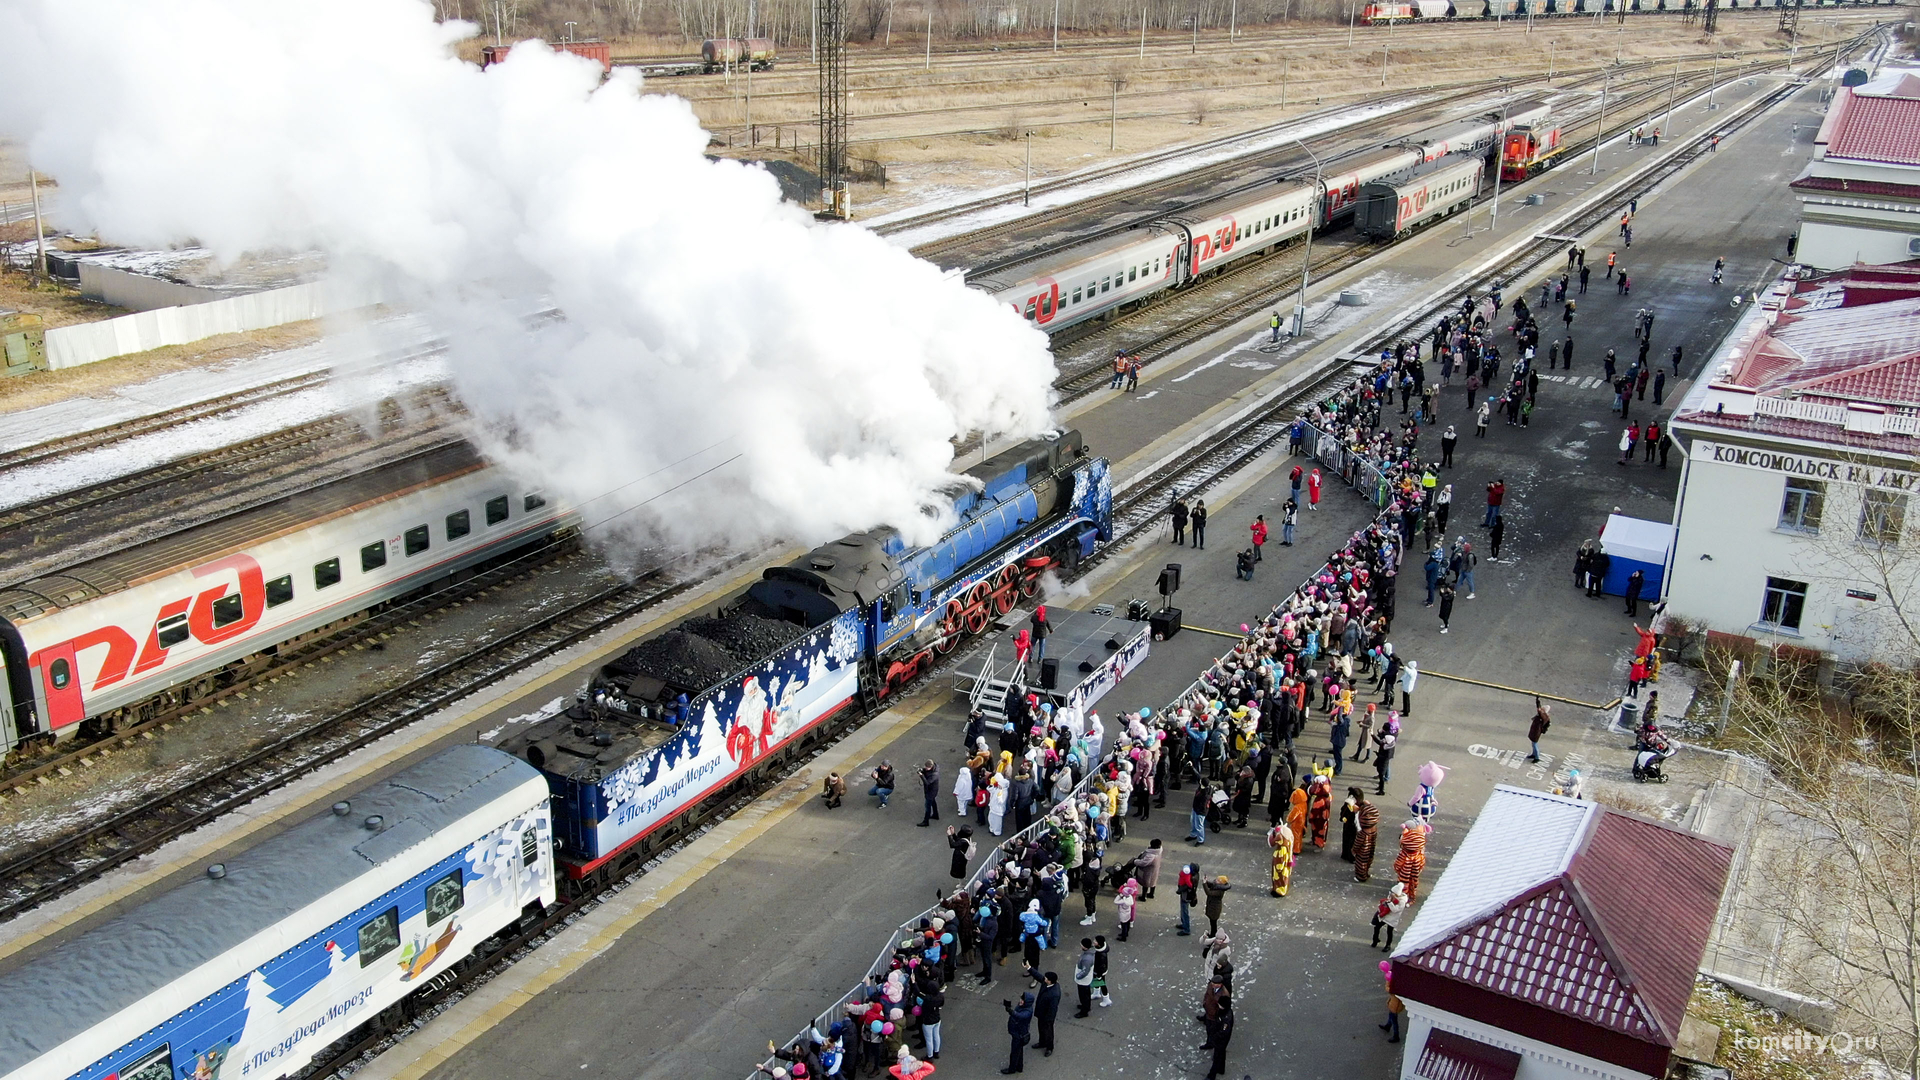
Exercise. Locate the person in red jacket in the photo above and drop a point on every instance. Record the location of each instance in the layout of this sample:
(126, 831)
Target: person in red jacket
(1259, 535)
(1496, 494)
(1313, 490)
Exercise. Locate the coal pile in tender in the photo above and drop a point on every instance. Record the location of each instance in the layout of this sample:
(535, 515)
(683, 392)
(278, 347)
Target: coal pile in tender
(685, 662)
(703, 651)
(749, 637)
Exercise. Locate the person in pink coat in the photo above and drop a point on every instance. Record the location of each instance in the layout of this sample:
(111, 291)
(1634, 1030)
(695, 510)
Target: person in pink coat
(1313, 490)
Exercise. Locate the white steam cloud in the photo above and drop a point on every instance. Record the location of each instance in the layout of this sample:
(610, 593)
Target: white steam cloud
(818, 372)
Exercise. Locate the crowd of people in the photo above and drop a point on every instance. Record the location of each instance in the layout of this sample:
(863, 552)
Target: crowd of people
(1067, 788)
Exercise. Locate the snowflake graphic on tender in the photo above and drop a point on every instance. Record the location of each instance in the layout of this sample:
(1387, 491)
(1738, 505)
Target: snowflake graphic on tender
(845, 643)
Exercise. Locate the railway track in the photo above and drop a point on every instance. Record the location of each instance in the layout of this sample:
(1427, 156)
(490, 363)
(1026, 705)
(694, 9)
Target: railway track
(1138, 508)
(58, 867)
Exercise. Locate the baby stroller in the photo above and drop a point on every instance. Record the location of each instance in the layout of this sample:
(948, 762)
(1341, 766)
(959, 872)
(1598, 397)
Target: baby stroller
(1115, 876)
(1649, 755)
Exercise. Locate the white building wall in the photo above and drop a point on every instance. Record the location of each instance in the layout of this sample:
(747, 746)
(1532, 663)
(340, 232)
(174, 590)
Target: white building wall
(1538, 1060)
(1867, 237)
(1730, 541)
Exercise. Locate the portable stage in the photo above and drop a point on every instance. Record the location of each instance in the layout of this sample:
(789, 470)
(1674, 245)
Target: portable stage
(1087, 655)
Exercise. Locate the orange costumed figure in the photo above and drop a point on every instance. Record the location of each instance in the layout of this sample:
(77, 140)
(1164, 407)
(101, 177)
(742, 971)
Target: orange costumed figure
(1297, 813)
(1319, 807)
(1413, 856)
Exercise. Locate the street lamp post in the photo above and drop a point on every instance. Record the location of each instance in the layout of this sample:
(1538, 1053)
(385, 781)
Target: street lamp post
(1499, 164)
(1386, 51)
(1306, 265)
(1600, 133)
(1712, 80)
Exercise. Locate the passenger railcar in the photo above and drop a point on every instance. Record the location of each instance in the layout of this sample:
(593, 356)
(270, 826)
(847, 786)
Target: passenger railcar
(692, 713)
(1390, 208)
(132, 634)
(252, 969)
(1091, 280)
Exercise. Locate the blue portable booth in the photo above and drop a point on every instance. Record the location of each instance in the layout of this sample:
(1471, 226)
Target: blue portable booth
(1636, 544)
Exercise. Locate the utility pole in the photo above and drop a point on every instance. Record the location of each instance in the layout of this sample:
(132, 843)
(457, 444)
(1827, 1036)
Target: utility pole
(1026, 194)
(832, 35)
(1233, 19)
(498, 37)
(1350, 15)
(1143, 33)
(1790, 20)
(813, 31)
(1113, 130)
(1549, 63)
(1713, 79)
(1672, 88)
(1056, 25)
(1600, 133)
(1283, 82)
(1386, 50)
(39, 230)
(929, 37)
(1196, 31)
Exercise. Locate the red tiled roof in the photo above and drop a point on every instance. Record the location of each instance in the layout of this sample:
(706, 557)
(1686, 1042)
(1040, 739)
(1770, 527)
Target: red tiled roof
(1659, 952)
(1878, 129)
(1447, 1056)
(1807, 430)
(1870, 188)
(1599, 959)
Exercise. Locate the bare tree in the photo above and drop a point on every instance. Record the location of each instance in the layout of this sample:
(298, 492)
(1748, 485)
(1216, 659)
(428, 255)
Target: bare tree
(1843, 848)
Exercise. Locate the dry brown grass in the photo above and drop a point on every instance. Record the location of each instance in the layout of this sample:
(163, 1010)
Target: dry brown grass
(57, 304)
(46, 387)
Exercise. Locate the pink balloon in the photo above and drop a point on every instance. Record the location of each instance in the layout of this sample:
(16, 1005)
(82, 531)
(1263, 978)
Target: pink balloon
(1386, 967)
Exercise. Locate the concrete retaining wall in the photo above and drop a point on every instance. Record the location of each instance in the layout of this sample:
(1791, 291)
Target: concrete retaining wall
(87, 343)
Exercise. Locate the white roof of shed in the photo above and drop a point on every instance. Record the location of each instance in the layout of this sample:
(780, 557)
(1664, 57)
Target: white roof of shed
(1520, 839)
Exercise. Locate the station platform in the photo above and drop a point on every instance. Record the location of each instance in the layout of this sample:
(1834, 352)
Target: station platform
(760, 942)
(748, 935)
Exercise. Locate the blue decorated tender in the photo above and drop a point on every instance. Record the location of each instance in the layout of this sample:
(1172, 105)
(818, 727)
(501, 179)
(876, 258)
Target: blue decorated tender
(690, 715)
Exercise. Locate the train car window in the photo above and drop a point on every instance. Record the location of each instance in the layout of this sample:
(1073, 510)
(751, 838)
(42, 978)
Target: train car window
(1106, 284)
(1076, 296)
(1046, 304)
(496, 510)
(379, 936)
(228, 610)
(529, 846)
(373, 556)
(326, 573)
(459, 524)
(173, 630)
(533, 501)
(61, 672)
(156, 1065)
(1031, 310)
(279, 590)
(416, 540)
(445, 896)
(1132, 273)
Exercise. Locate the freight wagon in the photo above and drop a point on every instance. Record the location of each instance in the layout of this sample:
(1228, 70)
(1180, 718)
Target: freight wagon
(597, 51)
(719, 54)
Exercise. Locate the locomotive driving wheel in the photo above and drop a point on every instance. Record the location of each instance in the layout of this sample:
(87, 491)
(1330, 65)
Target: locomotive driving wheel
(952, 627)
(1005, 586)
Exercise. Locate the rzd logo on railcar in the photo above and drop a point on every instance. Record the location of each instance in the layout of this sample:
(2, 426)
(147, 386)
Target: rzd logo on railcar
(209, 616)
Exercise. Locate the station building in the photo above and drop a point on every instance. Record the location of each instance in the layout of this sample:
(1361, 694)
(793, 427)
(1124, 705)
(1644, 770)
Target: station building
(1799, 442)
(1860, 195)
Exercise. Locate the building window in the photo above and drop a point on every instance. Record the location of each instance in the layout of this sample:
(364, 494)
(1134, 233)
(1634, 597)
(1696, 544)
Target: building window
(1883, 515)
(1800, 511)
(1784, 603)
